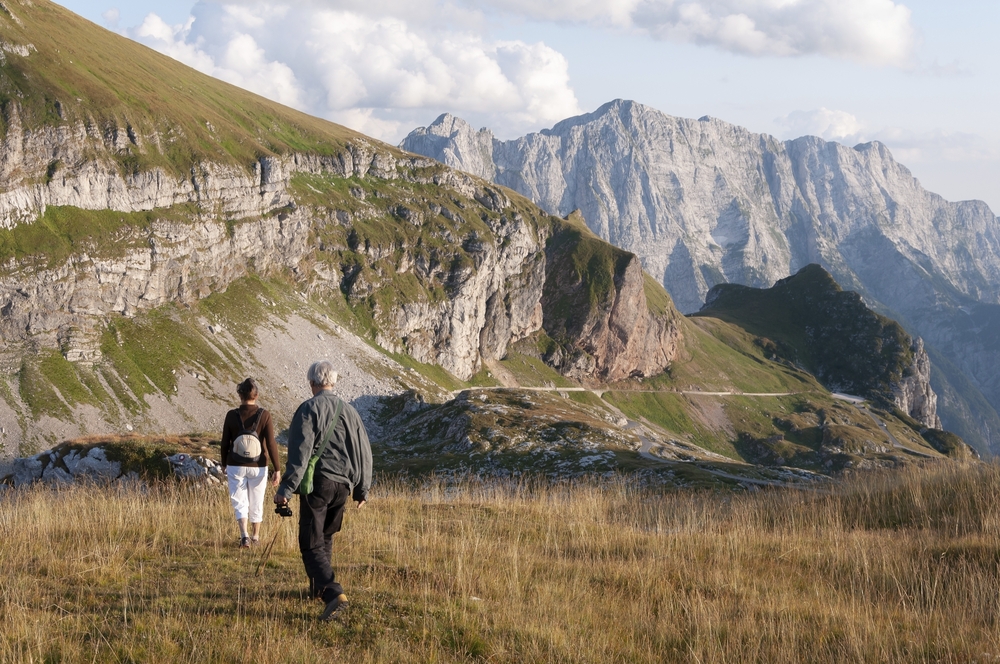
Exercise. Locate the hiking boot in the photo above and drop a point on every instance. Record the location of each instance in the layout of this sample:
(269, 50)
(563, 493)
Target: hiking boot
(254, 541)
(333, 607)
(244, 542)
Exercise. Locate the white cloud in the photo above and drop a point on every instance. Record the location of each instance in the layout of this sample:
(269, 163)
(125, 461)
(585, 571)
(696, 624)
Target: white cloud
(373, 71)
(876, 32)
(938, 146)
(111, 18)
(832, 125)
(907, 146)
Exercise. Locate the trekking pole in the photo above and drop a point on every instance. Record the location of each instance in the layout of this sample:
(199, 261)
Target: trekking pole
(283, 511)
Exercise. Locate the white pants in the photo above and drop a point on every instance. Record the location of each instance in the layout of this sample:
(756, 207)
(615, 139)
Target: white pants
(246, 491)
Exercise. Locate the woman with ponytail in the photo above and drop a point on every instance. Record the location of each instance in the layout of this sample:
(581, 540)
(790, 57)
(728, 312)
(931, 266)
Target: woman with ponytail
(247, 446)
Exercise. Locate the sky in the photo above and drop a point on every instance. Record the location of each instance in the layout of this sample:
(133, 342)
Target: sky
(921, 76)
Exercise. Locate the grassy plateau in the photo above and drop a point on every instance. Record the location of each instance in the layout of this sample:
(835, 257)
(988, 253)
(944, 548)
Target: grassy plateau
(883, 568)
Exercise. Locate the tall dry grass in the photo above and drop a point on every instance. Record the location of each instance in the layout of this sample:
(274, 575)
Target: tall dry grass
(887, 568)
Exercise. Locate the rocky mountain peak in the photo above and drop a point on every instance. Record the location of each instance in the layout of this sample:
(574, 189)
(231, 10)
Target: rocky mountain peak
(454, 142)
(704, 202)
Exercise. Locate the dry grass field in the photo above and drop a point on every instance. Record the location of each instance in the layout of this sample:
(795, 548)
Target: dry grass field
(895, 568)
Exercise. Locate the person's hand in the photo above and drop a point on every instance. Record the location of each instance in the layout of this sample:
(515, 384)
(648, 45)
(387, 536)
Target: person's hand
(361, 503)
(280, 500)
(223, 470)
(276, 479)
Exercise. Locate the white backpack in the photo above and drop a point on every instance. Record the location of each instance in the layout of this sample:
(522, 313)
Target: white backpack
(246, 446)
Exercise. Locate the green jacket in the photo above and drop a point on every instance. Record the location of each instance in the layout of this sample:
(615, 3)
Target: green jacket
(348, 456)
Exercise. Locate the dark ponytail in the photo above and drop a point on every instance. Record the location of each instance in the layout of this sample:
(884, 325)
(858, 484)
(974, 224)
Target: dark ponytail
(248, 389)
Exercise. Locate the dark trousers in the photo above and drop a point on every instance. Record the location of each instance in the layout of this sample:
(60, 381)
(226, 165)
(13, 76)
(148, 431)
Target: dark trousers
(321, 515)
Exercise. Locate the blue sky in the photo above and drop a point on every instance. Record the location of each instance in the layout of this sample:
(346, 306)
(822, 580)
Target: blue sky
(922, 76)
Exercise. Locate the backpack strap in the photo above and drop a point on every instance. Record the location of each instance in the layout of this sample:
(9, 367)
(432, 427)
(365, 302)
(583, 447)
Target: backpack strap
(329, 431)
(256, 419)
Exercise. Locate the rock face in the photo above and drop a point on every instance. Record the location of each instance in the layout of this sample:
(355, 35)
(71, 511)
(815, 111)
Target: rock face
(612, 331)
(494, 283)
(913, 394)
(75, 165)
(510, 280)
(703, 202)
(452, 141)
(172, 262)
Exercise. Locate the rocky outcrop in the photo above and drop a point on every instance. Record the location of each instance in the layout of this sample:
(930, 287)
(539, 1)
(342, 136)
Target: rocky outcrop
(495, 286)
(79, 166)
(507, 285)
(604, 329)
(70, 463)
(913, 394)
(64, 465)
(703, 202)
(173, 262)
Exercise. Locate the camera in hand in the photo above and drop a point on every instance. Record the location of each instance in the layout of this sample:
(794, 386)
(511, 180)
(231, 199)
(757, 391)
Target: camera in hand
(283, 510)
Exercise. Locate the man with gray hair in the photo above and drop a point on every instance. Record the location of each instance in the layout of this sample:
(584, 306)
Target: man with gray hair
(343, 471)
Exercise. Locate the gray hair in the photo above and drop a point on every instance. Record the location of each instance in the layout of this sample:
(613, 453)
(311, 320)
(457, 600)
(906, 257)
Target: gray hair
(321, 373)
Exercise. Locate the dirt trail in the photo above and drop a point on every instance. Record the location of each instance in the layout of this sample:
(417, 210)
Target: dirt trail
(508, 380)
(892, 438)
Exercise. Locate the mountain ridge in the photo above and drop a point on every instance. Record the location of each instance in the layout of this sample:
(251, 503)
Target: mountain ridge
(705, 202)
(306, 241)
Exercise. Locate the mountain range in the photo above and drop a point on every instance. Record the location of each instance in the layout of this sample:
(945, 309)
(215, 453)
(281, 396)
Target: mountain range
(164, 235)
(703, 202)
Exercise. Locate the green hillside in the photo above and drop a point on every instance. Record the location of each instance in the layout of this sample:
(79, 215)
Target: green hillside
(174, 117)
(810, 321)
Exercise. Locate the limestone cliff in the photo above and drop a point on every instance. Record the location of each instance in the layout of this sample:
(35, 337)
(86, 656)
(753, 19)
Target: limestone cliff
(597, 308)
(913, 393)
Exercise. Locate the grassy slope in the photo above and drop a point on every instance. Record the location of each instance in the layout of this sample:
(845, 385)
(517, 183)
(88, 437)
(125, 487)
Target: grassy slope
(898, 568)
(808, 319)
(105, 80)
(722, 357)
